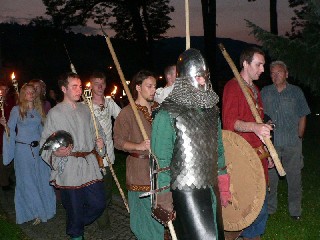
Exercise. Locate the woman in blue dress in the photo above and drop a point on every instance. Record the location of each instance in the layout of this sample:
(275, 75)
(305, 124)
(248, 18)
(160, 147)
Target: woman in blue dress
(34, 197)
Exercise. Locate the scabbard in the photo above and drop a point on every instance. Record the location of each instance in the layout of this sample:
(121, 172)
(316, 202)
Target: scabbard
(195, 215)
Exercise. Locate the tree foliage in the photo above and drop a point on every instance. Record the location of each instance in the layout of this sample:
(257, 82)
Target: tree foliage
(151, 15)
(131, 20)
(300, 54)
(142, 21)
(298, 21)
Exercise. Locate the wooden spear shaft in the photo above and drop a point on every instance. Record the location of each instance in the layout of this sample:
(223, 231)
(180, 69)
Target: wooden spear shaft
(253, 109)
(89, 103)
(125, 86)
(187, 24)
(117, 183)
(133, 106)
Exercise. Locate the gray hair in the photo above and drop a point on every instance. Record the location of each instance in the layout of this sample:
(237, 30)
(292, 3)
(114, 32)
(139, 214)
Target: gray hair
(281, 63)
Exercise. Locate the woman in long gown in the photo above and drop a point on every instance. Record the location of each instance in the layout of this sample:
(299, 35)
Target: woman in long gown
(34, 197)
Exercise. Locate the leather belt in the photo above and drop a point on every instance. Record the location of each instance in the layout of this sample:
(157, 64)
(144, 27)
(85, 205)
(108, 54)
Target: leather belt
(137, 155)
(80, 154)
(84, 154)
(32, 144)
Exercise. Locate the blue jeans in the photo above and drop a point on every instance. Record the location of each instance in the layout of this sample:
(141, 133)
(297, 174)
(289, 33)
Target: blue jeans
(258, 227)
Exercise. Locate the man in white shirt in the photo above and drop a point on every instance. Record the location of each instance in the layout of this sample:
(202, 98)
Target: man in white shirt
(170, 74)
(104, 108)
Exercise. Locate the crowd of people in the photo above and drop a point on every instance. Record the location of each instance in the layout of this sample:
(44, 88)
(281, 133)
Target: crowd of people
(176, 174)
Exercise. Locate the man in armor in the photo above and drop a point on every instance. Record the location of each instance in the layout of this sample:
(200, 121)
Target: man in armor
(186, 135)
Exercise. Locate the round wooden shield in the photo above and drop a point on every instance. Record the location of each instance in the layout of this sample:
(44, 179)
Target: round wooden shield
(247, 182)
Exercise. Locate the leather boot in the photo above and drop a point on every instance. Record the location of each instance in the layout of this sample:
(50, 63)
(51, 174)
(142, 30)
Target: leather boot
(231, 235)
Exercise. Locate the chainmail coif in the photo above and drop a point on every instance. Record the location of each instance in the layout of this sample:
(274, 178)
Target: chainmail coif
(184, 93)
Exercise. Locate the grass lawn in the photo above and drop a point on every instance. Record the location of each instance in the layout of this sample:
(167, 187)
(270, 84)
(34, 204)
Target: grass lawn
(280, 226)
(9, 230)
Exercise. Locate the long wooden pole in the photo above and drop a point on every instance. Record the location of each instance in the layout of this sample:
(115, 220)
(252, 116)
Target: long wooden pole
(133, 106)
(253, 109)
(117, 183)
(187, 24)
(6, 129)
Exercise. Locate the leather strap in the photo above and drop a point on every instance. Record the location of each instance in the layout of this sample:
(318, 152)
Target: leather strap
(162, 215)
(33, 144)
(161, 170)
(137, 155)
(262, 153)
(146, 194)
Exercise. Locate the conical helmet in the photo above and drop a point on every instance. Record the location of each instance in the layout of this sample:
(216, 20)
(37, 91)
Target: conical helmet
(192, 66)
(57, 139)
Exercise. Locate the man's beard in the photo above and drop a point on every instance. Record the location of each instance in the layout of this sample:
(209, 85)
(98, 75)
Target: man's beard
(150, 100)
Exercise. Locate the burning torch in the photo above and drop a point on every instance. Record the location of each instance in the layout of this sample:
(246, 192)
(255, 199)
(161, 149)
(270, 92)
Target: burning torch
(15, 83)
(2, 112)
(113, 93)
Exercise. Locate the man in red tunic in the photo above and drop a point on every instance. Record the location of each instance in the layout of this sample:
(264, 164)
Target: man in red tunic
(237, 117)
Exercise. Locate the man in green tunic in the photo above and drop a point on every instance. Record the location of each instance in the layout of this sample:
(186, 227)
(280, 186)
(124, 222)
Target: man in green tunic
(186, 135)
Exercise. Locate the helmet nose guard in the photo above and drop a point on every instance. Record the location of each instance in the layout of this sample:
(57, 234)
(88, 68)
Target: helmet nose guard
(191, 65)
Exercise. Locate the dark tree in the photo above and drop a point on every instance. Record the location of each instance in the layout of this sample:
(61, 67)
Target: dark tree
(300, 54)
(209, 28)
(298, 21)
(273, 16)
(140, 20)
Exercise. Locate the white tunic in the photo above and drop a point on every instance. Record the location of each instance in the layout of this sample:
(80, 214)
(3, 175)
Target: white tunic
(162, 93)
(111, 109)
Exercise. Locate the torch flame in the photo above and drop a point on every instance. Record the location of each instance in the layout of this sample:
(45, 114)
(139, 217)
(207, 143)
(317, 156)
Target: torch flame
(13, 76)
(88, 85)
(114, 90)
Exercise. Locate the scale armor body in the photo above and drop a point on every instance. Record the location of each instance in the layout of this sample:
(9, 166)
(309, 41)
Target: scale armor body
(194, 161)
